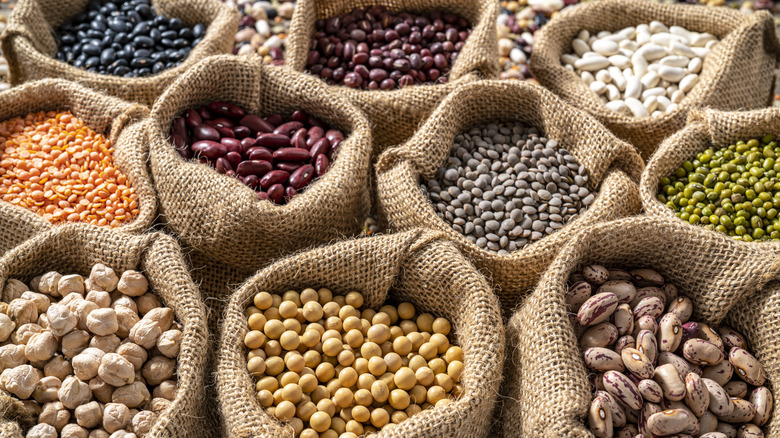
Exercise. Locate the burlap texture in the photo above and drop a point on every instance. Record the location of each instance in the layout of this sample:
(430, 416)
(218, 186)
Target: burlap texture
(415, 266)
(118, 120)
(396, 114)
(739, 72)
(221, 216)
(29, 45)
(75, 248)
(546, 390)
(613, 167)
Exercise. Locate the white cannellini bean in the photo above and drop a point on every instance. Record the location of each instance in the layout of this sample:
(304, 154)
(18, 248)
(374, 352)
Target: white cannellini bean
(651, 52)
(598, 87)
(656, 113)
(651, 103)
(687, 83)
(662, 38)
(657, 26)
(671, 74)
(620, 61)
(701, 52)
(636, 107)
(584, 35)
(650, 79)
(617, 78)
(603, 76)
(633, 88)
(642, 37)
(640, 64)
(682, 50)
(587, 77)
(674, 61)
(617, 105)
(592, 63)
(694, 66)
(663, 102)
(569, 59)
(579, 46)
(657, 91)
(678, 96)
(680, 31)
(629, 45)
(612, 92)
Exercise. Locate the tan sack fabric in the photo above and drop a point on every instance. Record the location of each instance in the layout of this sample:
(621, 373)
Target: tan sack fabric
(116, 119)
(612, 165)
(30, 45)
(546, 391)
(413, 266)
(75, 248)
(739, 73)
(396, 114)
(221, 216)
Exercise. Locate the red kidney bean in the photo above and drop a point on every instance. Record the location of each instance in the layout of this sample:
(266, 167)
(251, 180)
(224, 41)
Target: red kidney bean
(301, 177)
(209, 149)
(274, 141)
(274, 177)
(256, 124)
(298, 116)
(260, 153)
(289, 167)
(225, 109)
(223, 165)
(295, 155)
(178, 142)
(205, 132)
(288, 128)
(193, 118)
(298, 140)
(226, 132)
(230, 173)
(222, 123)
(275, 119)
(252, 181)
(233, 158)
(232, 145)
(248, 143)
(333, 149)
(321, 165)
(321, 147)
(254, 167)
(290, 193)
(204, 113)
(334, 135)
(262, 196)
(242, 132)
(276, 193)
(315, 134)
(180, 128)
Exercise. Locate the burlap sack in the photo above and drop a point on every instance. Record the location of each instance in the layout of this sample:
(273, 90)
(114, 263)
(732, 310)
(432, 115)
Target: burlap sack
(75, 248)
(738, 74)
(613, 167)
(118, 120)
(29, 44)
(546, 391)
(219, 215)
(413, 266)
(396, 114)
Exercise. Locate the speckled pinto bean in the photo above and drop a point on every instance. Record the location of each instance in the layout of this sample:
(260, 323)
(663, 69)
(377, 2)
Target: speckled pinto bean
(637, 363)
(623, 290)
(650, 390)
(578, 293)
(670, 381)
(602, 359)
(599, 335)
(646, 292)
(645, 323)
(697, 397)
(597, 308)
(702, 352)
(623, 389)
(647, 344)
(624, 342)
(736, 388)
(624, 319)
(647, 411)
(683, 366)
(600, 418)
(682, 307)
(720, 402)
(277, 157)
(669, 422)
(731, 338)
(650, 306)
(743, 412)
(750, 431)
(761, 399)
(618, 415)
(720, 373)
(746, 366)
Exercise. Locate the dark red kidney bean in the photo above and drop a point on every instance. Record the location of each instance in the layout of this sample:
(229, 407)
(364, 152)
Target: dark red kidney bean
(298, 140)
(274, 141)
(254, 167)
(321, 165)
(234, 159)
(205, 114)
(178, 142)
(276, 193)
(209, 149)
(179, 128)
(301, 177)
(232, 145)
(290, 193)
(203, 160)
(315, 134)
(289, 167)
(321, 147)
(295, 155)
(193, 118)
(205, 132)
(275, 119)
(252, 181)
(185, 153)
(260, 153)
(226, 132)
(256, 124)
(288, 128)
(225, 109)
(299, 116)
(222, 123)
(248, 143)
(262, 196)
(223, 165)
(230, 173)
(333, 148)
(274, 177)
(242, 132)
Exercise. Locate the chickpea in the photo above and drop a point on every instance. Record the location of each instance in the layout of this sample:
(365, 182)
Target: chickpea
(145, 333)
(87, 363)
(158, 405)
(166, 390)
(146, 302)
(134, 395)
(41, 301)
(102, 322)
(163, 315)
(22, 311)
(99, 297)
(101, 390)
(13, 289)
(103, 278)
(49, 283)
(108, 344)
(143, 422)
(25, 332)
(169, 343)
(74, 343)
(123, 434)
(82, 309)
(89, 415)
(158, 369)
(99, 433)
(6, 327)
(126, 319)
(54, 414)
(42, 430)
(46, 389)
(115, 416)
(41, 347)
(20, 381)
(56, 366)
(123, 301)
(68, 284)
(115, 370)
(132, 283)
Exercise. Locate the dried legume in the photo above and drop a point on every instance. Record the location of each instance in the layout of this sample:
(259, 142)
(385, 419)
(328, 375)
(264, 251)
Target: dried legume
(734, 190)
(326, 367)
(373, 48)
(125, 38)
(505, 186)
(263, 29)
(678, 377)
(62, 170)
(275, 156)
(640, 71)
(75, 378)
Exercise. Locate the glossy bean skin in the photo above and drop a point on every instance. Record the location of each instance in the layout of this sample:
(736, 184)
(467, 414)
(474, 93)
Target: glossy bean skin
(747, 367)
(650, 390)
(732, 338)
(743, 412)
(669, 422)
(762, 400)
(670, 333)
(702, 352)
(599, 335)
(736, 388)
(637, 363)
(720, 402)
(623, 389)
(720, 373)
(602, 359)
(624, 319)
(597, 308)
(600, 418)
(618, 415)
(669, 380)
(647, 344)
(697, 397)
(623, 290)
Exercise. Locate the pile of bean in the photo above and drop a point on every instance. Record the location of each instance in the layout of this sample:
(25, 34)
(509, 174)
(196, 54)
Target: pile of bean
(88, 357)
(656, 372)
(125, 38)
(62, 170)
(734, 190)
(641, 71)
(505, 186)
(276, 156)
(373, 48)
(330, 370)
(263, 29)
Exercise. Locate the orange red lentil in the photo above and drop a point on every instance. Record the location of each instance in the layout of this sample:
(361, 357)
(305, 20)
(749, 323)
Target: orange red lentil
(54, 165)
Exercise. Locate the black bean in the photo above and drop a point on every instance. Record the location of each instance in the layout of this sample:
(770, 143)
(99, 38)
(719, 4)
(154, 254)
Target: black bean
(107, 56)
(91, 49)
(142, 41)
(199, 30)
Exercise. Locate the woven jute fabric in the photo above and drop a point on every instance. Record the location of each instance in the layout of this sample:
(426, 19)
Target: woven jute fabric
(75, 248)
(30, 46)
(415, 266)
(219, 215)
(739, 72)
(396, 114)
(118, 120)
(613, 167)
(546, 390)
